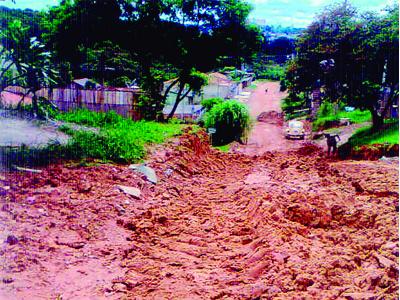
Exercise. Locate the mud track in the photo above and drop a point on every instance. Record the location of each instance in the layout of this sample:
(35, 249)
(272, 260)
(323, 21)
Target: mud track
(217, 226)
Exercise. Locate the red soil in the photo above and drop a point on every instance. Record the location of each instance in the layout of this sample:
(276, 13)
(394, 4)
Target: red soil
(287, 225)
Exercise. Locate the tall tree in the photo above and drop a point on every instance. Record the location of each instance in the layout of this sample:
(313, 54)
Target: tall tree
(168, 38)
(33, 64)
(349, 54)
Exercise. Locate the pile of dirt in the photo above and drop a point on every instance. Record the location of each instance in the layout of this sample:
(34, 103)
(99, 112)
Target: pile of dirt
(368, 152)
(215, 226)
(271, 117)
(310, 149)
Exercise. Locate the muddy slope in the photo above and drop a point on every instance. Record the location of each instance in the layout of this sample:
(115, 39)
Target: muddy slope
(216, 226)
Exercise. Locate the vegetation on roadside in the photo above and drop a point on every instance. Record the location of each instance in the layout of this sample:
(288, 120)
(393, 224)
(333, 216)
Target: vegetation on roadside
(119, 139)
(231, 119)
(367, 136)
(223, 148)
(209, 103)
(327, 116)
(348, 64)
(270, 71)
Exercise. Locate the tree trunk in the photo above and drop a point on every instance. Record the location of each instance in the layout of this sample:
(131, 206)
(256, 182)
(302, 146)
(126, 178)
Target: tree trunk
(178, 100)
(35, 106)
(169, 89)
(377, 120)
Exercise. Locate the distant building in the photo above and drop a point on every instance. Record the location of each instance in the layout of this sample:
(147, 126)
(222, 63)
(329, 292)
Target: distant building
(184, 111)
(219, 86)
(84, 84)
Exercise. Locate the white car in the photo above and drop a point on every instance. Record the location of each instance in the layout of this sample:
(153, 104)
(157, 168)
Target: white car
(295, 129)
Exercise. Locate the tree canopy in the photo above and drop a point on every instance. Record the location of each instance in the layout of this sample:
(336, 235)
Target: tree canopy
(166, 38)
(352, 56)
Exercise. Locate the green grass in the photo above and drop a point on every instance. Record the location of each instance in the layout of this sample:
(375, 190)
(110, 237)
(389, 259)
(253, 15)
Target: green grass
(366, 136)
(223, 148)
(356, 116)
(119, 139)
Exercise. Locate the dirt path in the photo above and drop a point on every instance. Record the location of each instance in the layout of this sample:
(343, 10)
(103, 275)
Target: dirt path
(216, 226)
(267, 136)
(17, 131)
(261, 101)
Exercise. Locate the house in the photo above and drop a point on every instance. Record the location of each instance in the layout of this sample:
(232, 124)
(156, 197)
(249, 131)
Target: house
(219, 85)
(84, 84)
(83, 93)
(184, 111)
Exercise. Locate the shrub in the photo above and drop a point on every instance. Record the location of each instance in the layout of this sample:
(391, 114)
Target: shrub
(90, 118)
(119, 139)
(326, 109)
(210, 102)
(231, 120)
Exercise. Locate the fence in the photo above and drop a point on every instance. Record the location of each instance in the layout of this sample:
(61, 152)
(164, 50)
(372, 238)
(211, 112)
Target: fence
(122, 101)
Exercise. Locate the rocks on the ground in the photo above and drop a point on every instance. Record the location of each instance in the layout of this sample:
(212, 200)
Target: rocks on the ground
(72, 244)
(384, 262)
(119, 287)
(309, 215)
(130, 190)
(31, 200)
(148, 172)
(84, 187)
(304, 281)
(119, 208)
(357, 186)
(21, 169)
(360, 296)
(8, 279)
(12, 240)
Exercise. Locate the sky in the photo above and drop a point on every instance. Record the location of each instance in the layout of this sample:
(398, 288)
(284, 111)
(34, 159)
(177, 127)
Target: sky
(293, 13)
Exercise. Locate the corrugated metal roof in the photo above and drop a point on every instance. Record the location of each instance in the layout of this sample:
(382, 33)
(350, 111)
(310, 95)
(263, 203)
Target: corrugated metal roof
(183, 109)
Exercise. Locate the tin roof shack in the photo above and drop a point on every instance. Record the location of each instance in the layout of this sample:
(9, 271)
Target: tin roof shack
(219, 85)
(84, 83)
(85, 93)
(187, 112)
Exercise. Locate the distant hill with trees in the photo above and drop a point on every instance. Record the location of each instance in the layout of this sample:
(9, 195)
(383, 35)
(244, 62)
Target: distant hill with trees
(28, 17)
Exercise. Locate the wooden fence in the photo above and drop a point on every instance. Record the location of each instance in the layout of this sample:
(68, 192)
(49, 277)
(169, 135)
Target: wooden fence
(123, 101)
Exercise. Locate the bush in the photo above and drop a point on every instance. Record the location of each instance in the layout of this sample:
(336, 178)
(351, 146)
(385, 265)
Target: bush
(119, 139)
(210, 102)
(231, 120)
(326, 109)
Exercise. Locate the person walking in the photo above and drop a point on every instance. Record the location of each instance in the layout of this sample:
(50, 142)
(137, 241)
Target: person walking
(332, 142)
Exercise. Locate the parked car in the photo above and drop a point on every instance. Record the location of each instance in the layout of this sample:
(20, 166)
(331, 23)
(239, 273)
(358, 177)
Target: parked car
(295, 129)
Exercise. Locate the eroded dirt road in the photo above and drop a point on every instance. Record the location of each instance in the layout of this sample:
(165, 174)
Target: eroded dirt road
(267, 135)
(284, 225)
(288, 224)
